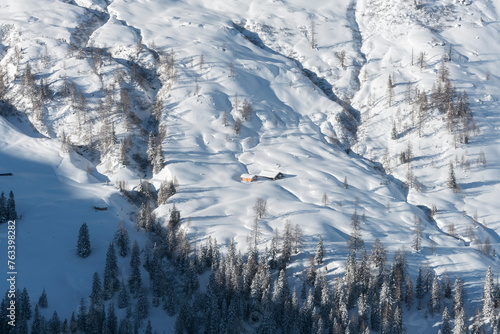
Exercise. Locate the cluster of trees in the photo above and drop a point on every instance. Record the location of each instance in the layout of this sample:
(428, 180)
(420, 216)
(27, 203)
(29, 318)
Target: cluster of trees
(245, 111)
(154, 151)
(7, 208)
(254, 288)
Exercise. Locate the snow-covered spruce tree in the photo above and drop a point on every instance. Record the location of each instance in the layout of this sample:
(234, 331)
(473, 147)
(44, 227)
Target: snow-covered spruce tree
(146, 219)
(123, 297)
(378, 255)
(83, 245)
(158, 160)
(355, 241)
(42, 301)
(311, 272)
(435, 300)
(134, 278)
(390, 92)
(167, 190)
(175, 218)
(477, 322)
(11, 207)
(121, 240)
(111, 323)
(458, 296)
(488, 297)
(142, 306)
(409, 293)
(81, 316)
(25, 305)
(416, 243)
(123, 153)
(394, 132)
(125, 326)
(320, 252)
(397, 322)
(298, 238)
(96, 294)
(54, 324)
(419, 288)
(461, 323)
(111, 284)
(38, 326)
(446, 327)
(452, 181)
(364, 272)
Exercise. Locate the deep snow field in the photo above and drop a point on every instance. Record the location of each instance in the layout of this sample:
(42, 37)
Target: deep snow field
(256, 51)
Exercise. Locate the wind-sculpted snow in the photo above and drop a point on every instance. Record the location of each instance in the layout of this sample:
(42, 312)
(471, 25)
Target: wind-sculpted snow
(183, 71)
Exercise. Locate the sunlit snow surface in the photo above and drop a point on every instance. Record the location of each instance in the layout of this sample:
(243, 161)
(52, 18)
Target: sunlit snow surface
(289, 132)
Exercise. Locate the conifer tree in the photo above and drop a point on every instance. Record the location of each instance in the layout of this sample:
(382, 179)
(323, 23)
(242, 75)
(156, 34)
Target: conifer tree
(477, 323)
(488, 296)
(320, 251)
(134, 279)
(378, 254)
(96, 294)
(446, 327)
(123, 153)
(111, 284)
(175, 218)
(394, 132)
(11, 207)
(452, 181)
(417, 236)
(460, 326)
(167, 190)
(419, 288)
(81, 316)
(375, 317)
(122, 240)
(355, 241)
(286, 250)
(38, 324)
(390, 91)
(123, 297)
(151, 147)
(397, 323)
(42, 301)
(125, 327)
(435, 300)
(158, 160)
(409, 293)
(142, 306)
(83, 245)
(458, 296)
(111, 323)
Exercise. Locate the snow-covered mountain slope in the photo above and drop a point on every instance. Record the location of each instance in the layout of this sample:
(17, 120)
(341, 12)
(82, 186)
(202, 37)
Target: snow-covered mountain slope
(98, 65)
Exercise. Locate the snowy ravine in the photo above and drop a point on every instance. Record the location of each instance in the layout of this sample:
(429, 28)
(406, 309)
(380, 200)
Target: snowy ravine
(226, 88)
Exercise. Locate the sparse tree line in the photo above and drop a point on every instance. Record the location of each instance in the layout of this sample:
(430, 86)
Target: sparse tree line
(7, 207)
(120, 98)
(254, 289)
(444, 98)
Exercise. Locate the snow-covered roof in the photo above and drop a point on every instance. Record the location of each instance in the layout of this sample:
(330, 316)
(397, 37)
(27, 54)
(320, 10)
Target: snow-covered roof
(247, 176)
(269, 174)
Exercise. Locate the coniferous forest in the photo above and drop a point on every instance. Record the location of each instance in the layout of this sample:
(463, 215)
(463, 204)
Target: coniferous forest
(253, 290)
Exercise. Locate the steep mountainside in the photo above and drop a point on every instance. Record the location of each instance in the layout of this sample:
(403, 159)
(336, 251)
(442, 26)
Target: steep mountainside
(362, 105)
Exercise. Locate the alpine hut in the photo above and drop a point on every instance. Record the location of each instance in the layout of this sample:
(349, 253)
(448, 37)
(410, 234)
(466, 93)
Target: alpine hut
(271, 174)
(248, 177)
